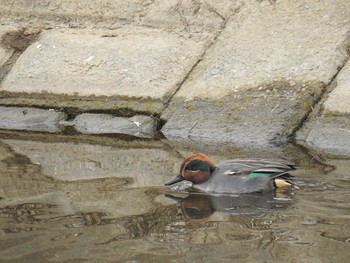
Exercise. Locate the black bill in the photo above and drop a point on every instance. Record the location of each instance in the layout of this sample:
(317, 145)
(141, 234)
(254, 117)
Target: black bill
(175, 180)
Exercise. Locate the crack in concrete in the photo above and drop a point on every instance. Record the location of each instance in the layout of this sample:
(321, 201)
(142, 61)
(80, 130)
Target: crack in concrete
(316, 108)
(6, 68)
(224, 19)
(223, 26)
(17, 41)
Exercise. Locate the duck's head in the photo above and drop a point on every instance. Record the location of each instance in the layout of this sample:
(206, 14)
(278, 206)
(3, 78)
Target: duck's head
(196, 169)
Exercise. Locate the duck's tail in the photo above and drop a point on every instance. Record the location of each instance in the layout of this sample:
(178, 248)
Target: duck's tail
(284, 179)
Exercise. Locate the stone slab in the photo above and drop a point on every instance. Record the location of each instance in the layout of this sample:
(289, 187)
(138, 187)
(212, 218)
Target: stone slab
(30, 119)
(70, 13)
(123, 70)
(91, 123)
(328, 128)
(338, 101)
(200, 19)
(258, 82)
(328, 135)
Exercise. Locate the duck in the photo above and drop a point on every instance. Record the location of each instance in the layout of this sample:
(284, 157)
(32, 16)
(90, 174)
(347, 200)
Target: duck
(234, 176)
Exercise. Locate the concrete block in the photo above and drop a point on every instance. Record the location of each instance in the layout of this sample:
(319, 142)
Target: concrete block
(136, 68)
(258, 82)
(200, 19)
(30, 119)
(328, 128)
(328, 135)
(338, 101)
(90, 123)
(71, 13)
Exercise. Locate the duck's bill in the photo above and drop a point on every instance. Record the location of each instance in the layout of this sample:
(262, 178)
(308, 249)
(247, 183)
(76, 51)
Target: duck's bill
(175, 180)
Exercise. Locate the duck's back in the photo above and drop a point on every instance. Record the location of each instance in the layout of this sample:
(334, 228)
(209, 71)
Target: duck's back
(245, 176)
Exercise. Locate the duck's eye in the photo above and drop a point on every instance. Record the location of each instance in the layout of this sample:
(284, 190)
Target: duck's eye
(197, 165)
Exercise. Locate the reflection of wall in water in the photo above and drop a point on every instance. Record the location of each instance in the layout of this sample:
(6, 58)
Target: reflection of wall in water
(69, 161)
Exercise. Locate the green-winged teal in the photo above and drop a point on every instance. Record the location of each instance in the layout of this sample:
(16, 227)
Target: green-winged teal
(234, 176)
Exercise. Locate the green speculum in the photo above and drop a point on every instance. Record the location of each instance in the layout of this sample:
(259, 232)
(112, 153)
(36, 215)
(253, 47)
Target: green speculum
(252, 175)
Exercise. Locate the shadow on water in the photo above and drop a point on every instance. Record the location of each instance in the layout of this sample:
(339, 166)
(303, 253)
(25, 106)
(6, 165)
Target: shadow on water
(77, 201)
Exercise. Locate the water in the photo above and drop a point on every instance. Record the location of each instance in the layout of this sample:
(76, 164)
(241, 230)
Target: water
(102, 200)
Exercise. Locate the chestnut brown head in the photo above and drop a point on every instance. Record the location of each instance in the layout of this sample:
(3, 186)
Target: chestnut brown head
(196, 169)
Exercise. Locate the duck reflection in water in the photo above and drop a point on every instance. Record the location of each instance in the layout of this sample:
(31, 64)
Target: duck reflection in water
(197, 207)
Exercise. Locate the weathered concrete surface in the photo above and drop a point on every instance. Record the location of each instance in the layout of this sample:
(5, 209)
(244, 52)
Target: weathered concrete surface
(91, 123)
(124, 70)
(253, 87)
(327, 134)
(200, 19)
(328, 128)
(5, 53)
(260, 79)
(338, 101)
(30, 119)
(69, 13)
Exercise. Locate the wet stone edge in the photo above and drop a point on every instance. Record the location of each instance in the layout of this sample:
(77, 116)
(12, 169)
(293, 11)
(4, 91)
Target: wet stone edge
(57, 121)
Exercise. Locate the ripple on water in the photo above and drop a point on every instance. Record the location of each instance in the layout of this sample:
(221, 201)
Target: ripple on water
(127, 217)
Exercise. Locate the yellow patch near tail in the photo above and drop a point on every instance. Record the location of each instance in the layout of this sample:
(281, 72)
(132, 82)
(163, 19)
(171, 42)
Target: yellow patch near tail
(280, 183)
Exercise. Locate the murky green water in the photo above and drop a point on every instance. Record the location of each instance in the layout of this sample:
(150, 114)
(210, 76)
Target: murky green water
(78, 201)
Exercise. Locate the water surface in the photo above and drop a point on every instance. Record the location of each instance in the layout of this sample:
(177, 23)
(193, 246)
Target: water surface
(77, 201)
